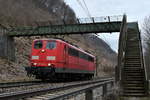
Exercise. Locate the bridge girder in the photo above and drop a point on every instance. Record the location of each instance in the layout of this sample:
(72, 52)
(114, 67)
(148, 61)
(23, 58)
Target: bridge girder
(103, 27)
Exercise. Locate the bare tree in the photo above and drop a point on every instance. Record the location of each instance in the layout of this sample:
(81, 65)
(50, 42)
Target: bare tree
(146, 31)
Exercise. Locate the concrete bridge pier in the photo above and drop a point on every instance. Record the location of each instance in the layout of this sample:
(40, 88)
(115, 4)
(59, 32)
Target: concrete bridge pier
(7, 45)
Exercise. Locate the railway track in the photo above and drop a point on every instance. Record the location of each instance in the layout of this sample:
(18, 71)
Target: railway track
(42, 91)
(65, 94)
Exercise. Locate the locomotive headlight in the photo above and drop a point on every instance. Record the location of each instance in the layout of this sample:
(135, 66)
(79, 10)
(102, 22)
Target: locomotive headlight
(34, 64)
(49, 64)
(51, 58)
(35, 57)
(42, 50)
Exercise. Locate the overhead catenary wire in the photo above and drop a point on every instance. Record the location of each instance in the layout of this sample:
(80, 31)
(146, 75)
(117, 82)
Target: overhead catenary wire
(84, 8)
(87, 8)
(104, 38)
(88, 13)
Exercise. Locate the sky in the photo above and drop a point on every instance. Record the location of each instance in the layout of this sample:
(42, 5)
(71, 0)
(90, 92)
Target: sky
(136, 10)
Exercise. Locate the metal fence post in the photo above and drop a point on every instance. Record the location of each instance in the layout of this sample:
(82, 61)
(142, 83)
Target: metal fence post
(104, 89)
(89, 95)
(112, 84)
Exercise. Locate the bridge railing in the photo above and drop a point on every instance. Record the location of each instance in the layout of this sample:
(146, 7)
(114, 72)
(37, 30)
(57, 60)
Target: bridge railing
(142, 61)
(101, 19)
(121, 48)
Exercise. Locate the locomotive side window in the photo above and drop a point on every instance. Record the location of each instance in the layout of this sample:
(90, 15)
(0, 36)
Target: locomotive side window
(86, 57)
(79, 54)
(91, 59)
(38, 44)
(73, 52)
(51, 45)
(83, 56)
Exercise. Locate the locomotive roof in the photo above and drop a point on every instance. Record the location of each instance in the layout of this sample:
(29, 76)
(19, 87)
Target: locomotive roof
(66, 42)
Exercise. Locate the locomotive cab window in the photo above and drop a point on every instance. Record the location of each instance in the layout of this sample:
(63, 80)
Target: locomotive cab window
(38, 44)
(51, 45)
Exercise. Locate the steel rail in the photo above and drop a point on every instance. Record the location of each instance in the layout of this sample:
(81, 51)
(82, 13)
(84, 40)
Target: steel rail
(18, 84)
(34, 92)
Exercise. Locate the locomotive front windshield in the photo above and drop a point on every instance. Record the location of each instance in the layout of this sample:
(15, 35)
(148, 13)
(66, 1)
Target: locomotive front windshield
(51, 45)
(38, 44)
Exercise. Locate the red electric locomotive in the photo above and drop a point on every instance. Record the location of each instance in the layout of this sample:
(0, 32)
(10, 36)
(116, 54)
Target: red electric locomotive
(55, 58)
